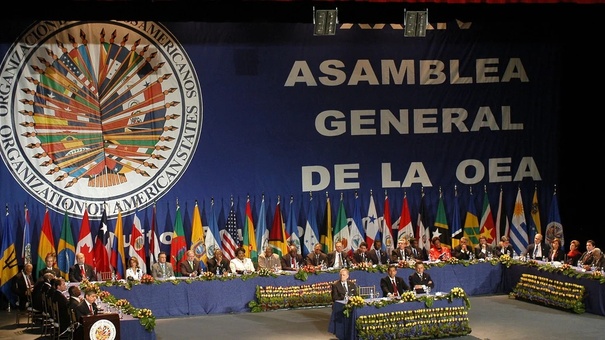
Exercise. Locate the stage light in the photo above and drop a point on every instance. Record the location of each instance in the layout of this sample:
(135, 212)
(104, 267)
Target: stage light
(325, 21)
(415, 23)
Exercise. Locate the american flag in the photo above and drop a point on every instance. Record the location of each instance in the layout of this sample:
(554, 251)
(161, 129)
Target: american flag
(229, 234)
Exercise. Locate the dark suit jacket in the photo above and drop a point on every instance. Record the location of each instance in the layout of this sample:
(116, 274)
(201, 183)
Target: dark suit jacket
(374, 257)
(83, 310)
(387, 286)
(508, 250)
(397, 256)
(186, 269)
(41, 287)
(286, 262)
(419, 254)
(332, 258)
(75, 274)
(559, 255)
(359, 257)
(459, 254)
(53, 270)
(313, 260)
(489, 249)
(530, 251)
(62, 302)
(426, 280)
(19, 287)
(223, 266)
(338, 291)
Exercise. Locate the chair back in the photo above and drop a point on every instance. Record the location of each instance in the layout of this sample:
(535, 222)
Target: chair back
(367, 292)
(104, 276)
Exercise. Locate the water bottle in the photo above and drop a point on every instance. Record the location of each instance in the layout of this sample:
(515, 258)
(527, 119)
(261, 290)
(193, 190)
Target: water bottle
(218, 270)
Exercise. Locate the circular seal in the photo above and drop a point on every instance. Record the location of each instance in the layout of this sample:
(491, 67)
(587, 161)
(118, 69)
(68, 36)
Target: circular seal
(102, 330)
(98, 115)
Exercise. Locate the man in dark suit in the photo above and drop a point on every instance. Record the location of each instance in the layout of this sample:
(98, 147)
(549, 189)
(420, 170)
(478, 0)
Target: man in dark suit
(419, 279)
(377, 255)
(393, 285)
(360, 255)
(338, 258)
(402, 252)
(41, 287)
(191, 266)
(218, 265)
(74, 297)
(81, 270)
(317, 257)
(483, 250)
(463, 251)
(343, 287)
(58, 297)
(504, 248)
(538, 250)
(50, 266)
(292, 260)
(22, 285)
(88, 306)
(415, 252)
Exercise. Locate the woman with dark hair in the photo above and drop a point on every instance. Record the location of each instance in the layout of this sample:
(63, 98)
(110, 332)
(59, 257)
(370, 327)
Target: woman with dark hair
(556, 253)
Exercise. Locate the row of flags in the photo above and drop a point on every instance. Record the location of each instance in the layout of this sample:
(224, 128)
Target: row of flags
(107, 252)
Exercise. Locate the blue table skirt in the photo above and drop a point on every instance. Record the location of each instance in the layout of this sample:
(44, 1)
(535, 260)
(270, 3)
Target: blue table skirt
(232, 296)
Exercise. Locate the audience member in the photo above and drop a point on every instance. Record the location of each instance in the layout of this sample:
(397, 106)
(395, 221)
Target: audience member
(537, 250)
(463, 251)
(556, 253)
(504, 247)
(269, 260)
(74, 297)
(393, 285)
(338, 258)
(162, 269)
(292, 260)
(438, 251)
(317, 257)
(402, 252)
(574, 253)
(81, 270)
(241, 264)
(22, 285)
(59, 288)
(377, 255)
(134, 271)
(359, 255)
(343, 287)
(483, 250)
(419, 279)
(218, 264)
(50, 260)
(41, 287)
(190, 267)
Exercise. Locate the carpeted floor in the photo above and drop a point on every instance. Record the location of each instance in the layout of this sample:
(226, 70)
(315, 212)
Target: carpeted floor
(491, 317)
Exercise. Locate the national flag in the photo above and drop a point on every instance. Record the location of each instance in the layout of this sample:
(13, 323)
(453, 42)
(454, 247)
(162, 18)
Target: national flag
(26, 249)
(198, 245)
(404, 223)
(262, 232)
(311, 233)
(535, 227)
(371, 223)
(168, 230)
(355, 223)
(211, 239)
(137, 243)
(441, 227)
(387, 228)
(502, 225)
(178, 247)
(101, 253)
(66, 251)
(277, 234)
(249, 238)
(47, 242)
(9, 263)
(488, 228)
(518, 232)
(118, 257)
(292, 226)
(554, 229)
(471, 222)
(154, 243)
(456, 221)
(424, 236)
(341, 228)
(327, 238)
(228, 234)
(85, 245)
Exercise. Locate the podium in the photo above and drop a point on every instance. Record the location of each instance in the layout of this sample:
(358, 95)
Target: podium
(101, 326)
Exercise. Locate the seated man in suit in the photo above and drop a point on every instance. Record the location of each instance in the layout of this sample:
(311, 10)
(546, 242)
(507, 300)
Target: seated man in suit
(292, 260)
(360, 255)
(218, 264)
(58, 297)
(269, 260)
(317, 257)
(419, 279)
(393, 285)
(81, 270)
(162, 270)
(483, 250)
(402, 252)
(22, 285)
(343, 287)
(88, 306)
(338, 258)
(504, 248)
(377, 255)
(538, 250)
(191, 266)
(41, 287)
(463, 251)
(50, 260)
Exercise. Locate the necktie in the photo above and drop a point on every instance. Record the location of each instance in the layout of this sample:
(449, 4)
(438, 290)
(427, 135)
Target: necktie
(344, 284)
(402, 254)
(90, 307)
(293, 262)
(378, 256)
(82, 271)
(340, 259)
(415, 253)
(191, 264)
(317, 260)
(395, 291)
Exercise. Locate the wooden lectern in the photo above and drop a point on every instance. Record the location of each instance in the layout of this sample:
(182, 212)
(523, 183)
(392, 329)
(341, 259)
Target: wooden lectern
(101, 326)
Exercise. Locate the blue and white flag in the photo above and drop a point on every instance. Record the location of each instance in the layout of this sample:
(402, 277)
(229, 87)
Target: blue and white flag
(518, 232)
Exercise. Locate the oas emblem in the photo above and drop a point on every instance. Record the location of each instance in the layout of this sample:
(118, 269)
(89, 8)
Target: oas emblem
(96, 112)
(102, 330)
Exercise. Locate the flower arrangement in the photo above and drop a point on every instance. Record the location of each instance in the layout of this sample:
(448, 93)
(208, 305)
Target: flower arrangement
(554, 293)
(103, 295)
(147, 279)
(453, 260)
(145, 317)
(409, 295)
(207, 275)
(304, 271)
(122, 303)
(86, 285)
(277, 297)
(266, 272)
(506, 260)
